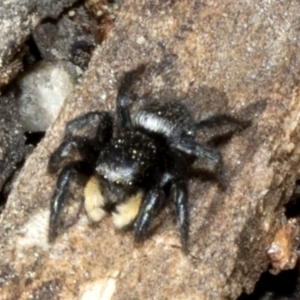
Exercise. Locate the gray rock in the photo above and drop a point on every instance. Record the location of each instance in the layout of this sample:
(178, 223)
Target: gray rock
(42, 93)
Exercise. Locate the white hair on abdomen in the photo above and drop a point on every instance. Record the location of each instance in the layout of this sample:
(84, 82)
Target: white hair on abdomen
(154, 123)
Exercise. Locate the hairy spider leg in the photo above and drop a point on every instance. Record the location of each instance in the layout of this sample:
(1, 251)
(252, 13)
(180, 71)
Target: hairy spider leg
(191, 147)
(61, 192)
(150, 208)
(87, 148)
(179, 195)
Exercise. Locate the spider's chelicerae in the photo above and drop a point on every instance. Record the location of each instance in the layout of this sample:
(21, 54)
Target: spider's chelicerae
(136, 169)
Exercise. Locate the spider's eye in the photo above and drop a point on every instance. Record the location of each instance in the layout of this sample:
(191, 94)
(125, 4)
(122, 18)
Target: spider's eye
(189, 133)
(103, 177)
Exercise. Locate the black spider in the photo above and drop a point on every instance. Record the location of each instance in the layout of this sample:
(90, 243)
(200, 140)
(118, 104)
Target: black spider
(135, 173)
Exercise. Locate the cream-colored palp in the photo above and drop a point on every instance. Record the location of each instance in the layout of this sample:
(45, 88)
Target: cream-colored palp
(94, 200)
(127, 211)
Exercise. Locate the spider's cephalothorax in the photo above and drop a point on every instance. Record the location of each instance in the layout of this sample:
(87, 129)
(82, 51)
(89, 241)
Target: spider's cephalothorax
(135, 173)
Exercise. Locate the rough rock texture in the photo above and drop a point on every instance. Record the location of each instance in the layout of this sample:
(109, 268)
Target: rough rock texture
(234, 56)
(282, 252)
(69, 38)
(17, 19)
(12, 142)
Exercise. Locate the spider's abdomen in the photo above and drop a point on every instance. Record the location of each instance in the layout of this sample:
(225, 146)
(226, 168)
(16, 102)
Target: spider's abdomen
(129, 159)
(166, 118)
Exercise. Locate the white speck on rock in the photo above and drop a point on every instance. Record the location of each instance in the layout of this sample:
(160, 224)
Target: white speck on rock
(140, 40)
(98, 290)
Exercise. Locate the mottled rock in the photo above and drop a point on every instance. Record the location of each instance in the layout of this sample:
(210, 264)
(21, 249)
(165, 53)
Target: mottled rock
(282, 253)
(17, 19)
(12, 141)
(68, 38)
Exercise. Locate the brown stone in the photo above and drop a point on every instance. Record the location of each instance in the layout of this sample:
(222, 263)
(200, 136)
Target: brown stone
(282, 252)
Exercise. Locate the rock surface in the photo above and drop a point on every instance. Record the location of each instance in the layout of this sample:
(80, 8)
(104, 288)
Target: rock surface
(17, 19)
(42, 93)
(12, 141)
(69, 38)
(219, 57)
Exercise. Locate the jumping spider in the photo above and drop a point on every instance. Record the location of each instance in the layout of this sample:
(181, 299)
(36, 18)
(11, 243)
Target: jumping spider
(137, 171)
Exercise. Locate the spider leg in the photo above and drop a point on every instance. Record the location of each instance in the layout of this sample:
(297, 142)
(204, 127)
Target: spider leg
(123, 113)
(149, 209)
(61, 192)
(66, 149)
(102, 119)
(86, 147)
(191, 147)
(179, 194)
(88, 150)
(221, 120)
(227, 127)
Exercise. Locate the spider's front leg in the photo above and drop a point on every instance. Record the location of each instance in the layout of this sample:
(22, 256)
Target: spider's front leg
(88, 150)
(65, 150)
(149, 209)
(61, 193)
(151, 206)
